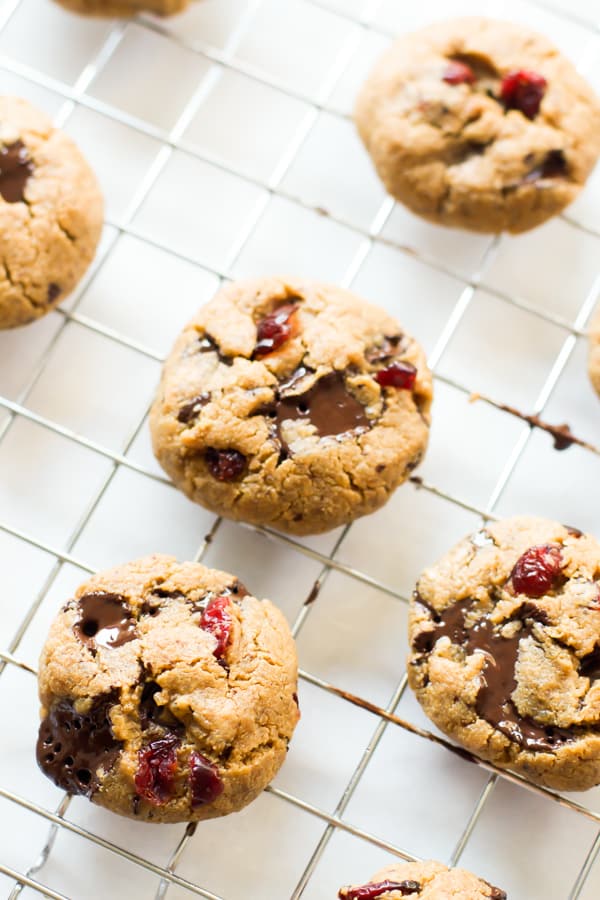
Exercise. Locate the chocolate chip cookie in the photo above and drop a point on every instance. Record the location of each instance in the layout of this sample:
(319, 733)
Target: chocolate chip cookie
(168, 692)
(594, 351)
(292, 404)
(479, 124)
(505, 649)
(51, 213)
(423, 881)
(124, 8)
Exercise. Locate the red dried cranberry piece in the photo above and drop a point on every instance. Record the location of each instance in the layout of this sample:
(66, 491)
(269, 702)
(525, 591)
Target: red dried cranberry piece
(399, 375)
(536, 570)
(523, 90)
(216, 619)
(205, 783)
(274, 330)
(225, 465)
(457, 72)
(157, 763)
(377, 889)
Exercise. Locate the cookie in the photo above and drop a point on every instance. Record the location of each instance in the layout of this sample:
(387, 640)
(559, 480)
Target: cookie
(168, 692)
(51, 213)
(479, 124)
(292, 404)
(124, 8)
(423, 881)
(505, 649)
(594, 351)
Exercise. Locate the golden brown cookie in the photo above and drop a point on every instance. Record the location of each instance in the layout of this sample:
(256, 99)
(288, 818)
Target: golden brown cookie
(505, 649)
(423, 881)
(168, 692)
(124, 8)
(51, 213)
(479, 124)
(293, 404)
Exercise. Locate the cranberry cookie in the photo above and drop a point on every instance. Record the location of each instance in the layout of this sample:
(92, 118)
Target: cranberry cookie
(124, 8)
(479, 124)
(505, 649)
(292, 404)
(423, 881)
(168, 692)
(51, 213)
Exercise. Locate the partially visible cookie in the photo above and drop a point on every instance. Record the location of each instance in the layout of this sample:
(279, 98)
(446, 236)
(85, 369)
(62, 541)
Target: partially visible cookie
(124, 8)
(423, 881)
(505, 649)
(293, 404)
(594, 351)
(168, 692)
(51, 213)
(480, 124)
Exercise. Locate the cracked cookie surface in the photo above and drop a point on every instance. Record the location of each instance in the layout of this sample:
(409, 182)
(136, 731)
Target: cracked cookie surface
(124, 8)
(426, 880)
(479, 124)
(292, 404)
(51, 213)
(505, 649)
(168, 692)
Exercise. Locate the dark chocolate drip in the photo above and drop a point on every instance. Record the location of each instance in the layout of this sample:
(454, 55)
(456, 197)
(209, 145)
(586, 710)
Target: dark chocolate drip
(189, 411)
(15, 170)
(72, 747)
(105, 620)
(327, 405)
(498, 679)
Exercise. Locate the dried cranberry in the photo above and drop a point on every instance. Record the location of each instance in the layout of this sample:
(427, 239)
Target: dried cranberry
(523, 90)
(274, 330)
(399, 375)
(457, 72)
(536, 570)
(377, 889)
(155, 776)
(225, 465)
(216, 619)
(205, 783)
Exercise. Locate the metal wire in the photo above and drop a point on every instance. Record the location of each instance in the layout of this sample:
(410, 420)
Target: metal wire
(370, 235)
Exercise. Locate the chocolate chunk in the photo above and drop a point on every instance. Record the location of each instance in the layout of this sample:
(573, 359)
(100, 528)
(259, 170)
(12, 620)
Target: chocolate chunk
(153, 714)
(105, 620)
(327, 405)
(73, 747)
(189, 411)
(16, 167)
(385, 350)
(589, 666)
(498, 680)
(209, 345)
(497, 894)
(53, 291)
(554, 165)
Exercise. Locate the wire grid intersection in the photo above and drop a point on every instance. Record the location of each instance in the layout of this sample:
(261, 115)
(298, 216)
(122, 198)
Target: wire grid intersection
(173, 141)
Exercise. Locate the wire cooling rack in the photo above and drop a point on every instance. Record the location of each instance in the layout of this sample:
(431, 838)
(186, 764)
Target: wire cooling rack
(225, 147)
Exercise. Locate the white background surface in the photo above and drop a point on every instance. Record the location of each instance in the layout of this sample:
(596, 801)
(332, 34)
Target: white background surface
(255, 96)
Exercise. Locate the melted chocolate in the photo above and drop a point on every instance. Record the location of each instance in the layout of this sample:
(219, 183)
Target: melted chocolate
(72, 747)
(190, 411)
(209, 345)
(589, 666)
(498, 680)
(327, 405)
(153, 714)
(105, 620)
(15, 170)
(554, 165)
